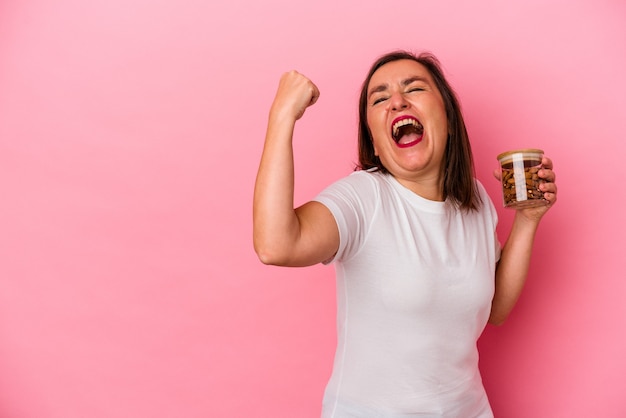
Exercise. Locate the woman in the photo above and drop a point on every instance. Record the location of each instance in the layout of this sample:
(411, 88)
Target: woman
(412, 234)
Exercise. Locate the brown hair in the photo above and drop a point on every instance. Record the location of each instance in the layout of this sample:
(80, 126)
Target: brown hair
(458, 167)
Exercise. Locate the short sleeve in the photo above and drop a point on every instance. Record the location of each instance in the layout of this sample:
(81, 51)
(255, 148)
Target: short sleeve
(352, 202)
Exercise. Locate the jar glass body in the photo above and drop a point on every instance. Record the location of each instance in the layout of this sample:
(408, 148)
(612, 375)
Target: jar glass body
(520, 181)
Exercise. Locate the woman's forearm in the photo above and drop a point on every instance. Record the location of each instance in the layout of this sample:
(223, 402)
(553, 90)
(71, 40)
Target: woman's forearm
(512, 269)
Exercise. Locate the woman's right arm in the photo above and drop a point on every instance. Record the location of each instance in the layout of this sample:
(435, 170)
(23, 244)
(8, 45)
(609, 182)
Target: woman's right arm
(283, 235)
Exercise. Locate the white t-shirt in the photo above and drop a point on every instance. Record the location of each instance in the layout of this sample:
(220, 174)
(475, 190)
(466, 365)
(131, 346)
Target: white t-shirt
(415, 280)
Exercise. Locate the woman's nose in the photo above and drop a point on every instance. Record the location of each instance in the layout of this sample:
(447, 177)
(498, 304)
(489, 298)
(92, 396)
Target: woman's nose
(398, 102)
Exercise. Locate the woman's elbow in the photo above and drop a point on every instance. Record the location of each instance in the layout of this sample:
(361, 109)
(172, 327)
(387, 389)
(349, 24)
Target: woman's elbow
(497, 319)
(268, 259)
(268, 255)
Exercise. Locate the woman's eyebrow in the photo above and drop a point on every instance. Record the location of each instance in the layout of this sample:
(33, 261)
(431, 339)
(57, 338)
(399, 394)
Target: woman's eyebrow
(383, 87)
(378, 89)
(413, 79)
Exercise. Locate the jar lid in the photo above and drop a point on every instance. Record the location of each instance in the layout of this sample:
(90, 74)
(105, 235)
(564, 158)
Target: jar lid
(520, 151)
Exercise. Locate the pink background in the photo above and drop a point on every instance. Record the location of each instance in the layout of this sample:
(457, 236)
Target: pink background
(130, 134)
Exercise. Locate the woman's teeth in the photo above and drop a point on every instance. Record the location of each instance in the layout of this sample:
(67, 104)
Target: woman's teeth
(406, 127)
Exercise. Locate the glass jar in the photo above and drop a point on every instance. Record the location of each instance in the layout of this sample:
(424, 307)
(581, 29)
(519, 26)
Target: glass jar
(520, 181)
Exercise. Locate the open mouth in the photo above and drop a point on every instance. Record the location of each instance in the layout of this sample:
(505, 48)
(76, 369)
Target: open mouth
(407, 131)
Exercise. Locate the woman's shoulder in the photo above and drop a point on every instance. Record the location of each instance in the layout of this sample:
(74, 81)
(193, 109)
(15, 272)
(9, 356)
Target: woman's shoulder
(359, 185)
(480, 188)
(487, 206)
(363, 179)
(373, 174)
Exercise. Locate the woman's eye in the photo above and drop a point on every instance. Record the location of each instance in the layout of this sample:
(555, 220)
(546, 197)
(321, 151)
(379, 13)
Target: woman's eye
(379, 100)
(414, 89)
